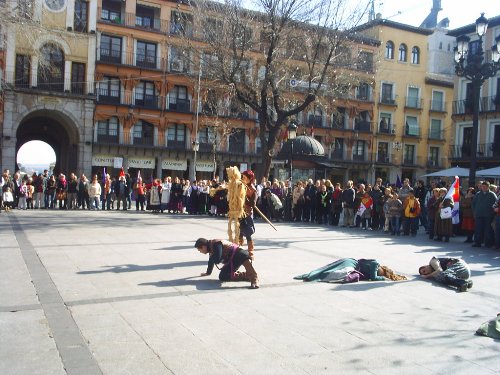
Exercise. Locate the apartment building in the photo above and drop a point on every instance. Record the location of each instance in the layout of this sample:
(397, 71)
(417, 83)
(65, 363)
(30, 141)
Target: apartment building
(413, 110)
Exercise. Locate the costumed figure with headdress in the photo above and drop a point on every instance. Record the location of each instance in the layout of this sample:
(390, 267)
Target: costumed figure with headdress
(236, 200)
(247, 227)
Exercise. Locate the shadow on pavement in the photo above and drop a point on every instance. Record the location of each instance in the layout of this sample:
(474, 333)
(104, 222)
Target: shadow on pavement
(200, 284)
(135, 267)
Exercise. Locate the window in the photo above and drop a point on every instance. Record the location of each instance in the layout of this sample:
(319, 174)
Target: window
(181, 23)
(145, 17)
(385, 125)
(51, 68)
(178, 61)
(212, 29)
(111, 11)
(242, 37)
(387, 96)
(25, 8)
(237, 141)
(146, 55)
(206, 135)
(80, 19)
(338, 148)
(358, 150)
(363, 91)
(365, 61)
(78, 78)
(415, 55)
(23, 68)
(145, 95)
(107, 131)
(109, 90)
(433, 157)
(435, 129)
(176, 136)
(339, 118)
(412, 128)
(413, 100)
(178, 99)
(383, 152)
(437, 103)
(111, 49)
(409, 154)
(389, 50)
(316, 118)
(402, 52)
(143, 133)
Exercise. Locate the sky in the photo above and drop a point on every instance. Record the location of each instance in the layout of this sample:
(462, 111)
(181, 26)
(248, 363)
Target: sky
(459, 12)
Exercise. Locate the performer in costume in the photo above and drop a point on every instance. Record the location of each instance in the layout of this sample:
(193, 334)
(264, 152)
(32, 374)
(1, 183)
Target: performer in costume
(247, 228)
(232, 256)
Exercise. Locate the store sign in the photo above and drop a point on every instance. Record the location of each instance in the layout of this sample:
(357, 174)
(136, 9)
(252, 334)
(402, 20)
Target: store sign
(141, 163)
(176, 165)
(102, 161)
(204, 166)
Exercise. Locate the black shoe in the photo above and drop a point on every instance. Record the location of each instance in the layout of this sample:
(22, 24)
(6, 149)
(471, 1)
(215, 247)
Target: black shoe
(476, 245)
(469, 284)
(463, 287)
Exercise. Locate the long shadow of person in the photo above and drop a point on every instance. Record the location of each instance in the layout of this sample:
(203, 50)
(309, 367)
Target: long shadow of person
(136, 268)
(199, 283)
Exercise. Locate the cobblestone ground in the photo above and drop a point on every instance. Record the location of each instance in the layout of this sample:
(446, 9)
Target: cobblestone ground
(120, 293)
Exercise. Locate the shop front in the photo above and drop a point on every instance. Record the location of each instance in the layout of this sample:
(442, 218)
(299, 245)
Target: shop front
(174, 168)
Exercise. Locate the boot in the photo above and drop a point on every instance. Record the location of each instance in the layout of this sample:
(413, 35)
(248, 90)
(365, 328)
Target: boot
(251, 274)
(460, 284)
(250, 249)
(469, 284)
(241, 241)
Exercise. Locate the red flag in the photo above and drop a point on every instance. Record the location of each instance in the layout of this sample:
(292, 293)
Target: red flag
(454, 194)
(122, 172)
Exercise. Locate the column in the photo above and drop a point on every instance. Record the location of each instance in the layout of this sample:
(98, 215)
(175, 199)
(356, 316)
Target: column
(10, 50)
(92, 11)
(67, 75)
(34, 71)
(91, 64)
(70, 14)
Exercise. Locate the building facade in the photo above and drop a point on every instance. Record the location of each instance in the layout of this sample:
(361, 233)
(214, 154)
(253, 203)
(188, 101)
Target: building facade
(49, 74)
(413, 110)
(488, 146)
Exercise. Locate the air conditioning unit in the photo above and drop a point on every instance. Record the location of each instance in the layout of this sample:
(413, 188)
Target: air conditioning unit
(176, 66)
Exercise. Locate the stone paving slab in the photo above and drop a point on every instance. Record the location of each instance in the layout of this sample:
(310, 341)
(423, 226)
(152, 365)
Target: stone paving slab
(131, 284)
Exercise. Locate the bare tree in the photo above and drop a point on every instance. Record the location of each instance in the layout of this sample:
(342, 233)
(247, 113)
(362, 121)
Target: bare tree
(277, 56)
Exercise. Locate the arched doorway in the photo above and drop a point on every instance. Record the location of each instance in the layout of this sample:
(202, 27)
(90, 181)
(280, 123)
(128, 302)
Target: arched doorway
(55, 129)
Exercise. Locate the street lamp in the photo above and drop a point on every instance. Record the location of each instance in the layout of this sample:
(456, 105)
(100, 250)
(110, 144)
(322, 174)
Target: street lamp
(470, 64)
(196, 147)
(292, 133)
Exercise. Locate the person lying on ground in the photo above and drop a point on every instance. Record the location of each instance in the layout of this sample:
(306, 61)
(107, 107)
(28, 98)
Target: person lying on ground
(449, 271)
(232, 256)
(351, 270)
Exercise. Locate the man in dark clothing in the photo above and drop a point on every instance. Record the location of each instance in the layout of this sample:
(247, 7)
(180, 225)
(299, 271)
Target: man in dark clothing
(348, 198)
(378, 204)
(122, 192)
(420, 194)
(309, 203)
(482, 208)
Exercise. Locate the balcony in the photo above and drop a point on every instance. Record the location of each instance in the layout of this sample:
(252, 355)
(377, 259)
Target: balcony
(484, 151)
(147, 101)
(360, 157)
(436, 135)
(339, 123)
(387, 101)
(144, 61)
(486, 104)
(362, 126)
(412, 131)
(106, 96)
(437, 106)
(337, 154)
(382, 158)
(180, 105)
(107, 139)
(436, 163)
(55, 87)
(413, 103)
(315, 121)
(364, 96)
(409, 161)
(386, 129)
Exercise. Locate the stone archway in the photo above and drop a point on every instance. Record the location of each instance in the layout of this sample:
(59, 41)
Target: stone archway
(56, 129)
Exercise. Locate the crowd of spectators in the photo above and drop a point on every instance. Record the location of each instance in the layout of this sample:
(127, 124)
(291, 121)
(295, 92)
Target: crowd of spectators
(393, 210)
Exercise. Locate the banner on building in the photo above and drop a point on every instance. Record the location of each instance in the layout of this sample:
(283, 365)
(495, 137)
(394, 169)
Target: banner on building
(102, 161)
(175, 165)
(205, 166)
(118, 163)
(146, 163)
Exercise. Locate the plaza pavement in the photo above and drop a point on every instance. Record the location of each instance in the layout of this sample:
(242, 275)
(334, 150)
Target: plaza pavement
(120, 293)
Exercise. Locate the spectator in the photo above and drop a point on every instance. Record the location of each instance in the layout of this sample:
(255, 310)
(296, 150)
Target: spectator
(432, 207)
(95, 194)
(482, 208)
(411, 209)
(467, 224)
(496, 208)
(395, 208)
(443, 226)
(348, 196)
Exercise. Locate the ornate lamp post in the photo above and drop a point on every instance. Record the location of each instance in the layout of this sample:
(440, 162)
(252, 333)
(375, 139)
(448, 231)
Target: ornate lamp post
(470, 64)
(292, 133)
